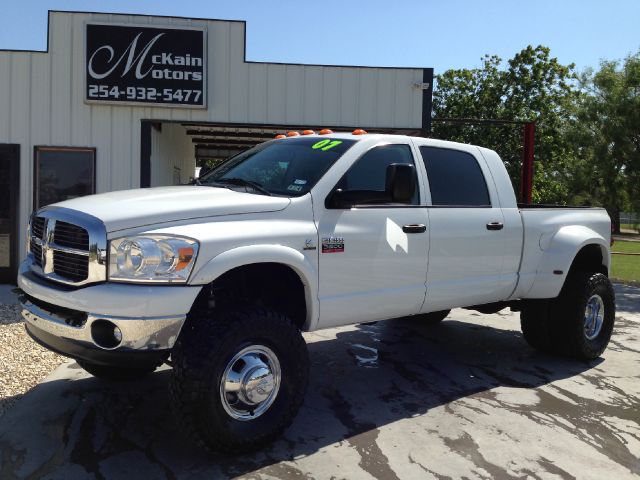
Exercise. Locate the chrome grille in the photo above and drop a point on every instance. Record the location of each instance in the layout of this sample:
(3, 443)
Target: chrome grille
(70, 265)
(69, 235)
(36, 249)
(37, 227)
(68, 246)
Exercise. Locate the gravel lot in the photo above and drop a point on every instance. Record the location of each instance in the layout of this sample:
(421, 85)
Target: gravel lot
(24, 363)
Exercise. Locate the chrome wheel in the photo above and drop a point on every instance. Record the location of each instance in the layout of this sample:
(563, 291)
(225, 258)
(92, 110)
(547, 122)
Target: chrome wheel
(250, 382)
(593, 317)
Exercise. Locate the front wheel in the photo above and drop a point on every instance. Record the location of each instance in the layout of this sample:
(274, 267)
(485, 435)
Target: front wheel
(239, 378)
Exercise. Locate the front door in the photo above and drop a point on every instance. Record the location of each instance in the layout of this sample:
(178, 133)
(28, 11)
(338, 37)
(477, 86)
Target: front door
(9, 184)
(372, 258)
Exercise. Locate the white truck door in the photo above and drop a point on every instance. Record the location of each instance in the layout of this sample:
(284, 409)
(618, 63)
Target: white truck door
(467, 240)
(373, 257)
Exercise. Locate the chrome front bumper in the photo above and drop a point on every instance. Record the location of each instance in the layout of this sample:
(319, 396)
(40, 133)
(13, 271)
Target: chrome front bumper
(153, 333)
(147, 318)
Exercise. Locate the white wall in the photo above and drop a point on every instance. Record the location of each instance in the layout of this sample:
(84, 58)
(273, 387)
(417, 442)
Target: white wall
(42, 98)
(171, 148)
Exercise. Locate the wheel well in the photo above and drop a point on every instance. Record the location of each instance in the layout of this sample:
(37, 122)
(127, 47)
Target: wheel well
(271, 285)
(589, 259)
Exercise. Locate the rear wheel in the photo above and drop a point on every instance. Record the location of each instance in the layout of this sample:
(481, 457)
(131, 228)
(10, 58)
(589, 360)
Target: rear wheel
(578, 323)
(433, 318)
(535, 320)
(239, 378)
(586, 308)
(108, 372)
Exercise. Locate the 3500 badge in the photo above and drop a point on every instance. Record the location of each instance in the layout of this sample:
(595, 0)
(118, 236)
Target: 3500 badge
(332, 244)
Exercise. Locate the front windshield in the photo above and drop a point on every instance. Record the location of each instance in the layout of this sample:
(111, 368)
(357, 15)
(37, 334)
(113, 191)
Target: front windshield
(288, 167)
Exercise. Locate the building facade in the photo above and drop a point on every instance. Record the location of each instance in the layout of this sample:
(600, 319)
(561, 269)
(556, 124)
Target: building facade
(127, 101)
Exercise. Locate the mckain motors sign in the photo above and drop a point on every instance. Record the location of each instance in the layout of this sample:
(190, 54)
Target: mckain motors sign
(135, 64)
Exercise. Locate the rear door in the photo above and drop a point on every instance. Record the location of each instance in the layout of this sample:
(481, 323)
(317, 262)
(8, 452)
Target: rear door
(467, 241)
(9, 184)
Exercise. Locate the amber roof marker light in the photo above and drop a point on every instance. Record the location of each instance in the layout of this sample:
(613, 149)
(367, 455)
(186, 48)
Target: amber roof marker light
(326, 131)
(293, 134)
(308, 132)
(359, 131)
(280, 136)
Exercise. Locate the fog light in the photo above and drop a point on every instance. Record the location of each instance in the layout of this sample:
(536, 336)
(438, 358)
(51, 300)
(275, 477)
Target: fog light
(106, 334)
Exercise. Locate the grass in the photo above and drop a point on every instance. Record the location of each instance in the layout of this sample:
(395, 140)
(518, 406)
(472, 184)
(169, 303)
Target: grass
(630, 226)
(626, 267)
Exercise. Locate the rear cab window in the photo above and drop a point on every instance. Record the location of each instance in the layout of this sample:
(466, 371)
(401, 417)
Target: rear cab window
(455, 178)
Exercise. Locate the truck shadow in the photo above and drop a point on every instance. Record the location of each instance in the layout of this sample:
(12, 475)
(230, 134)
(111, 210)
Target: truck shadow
(361, 378)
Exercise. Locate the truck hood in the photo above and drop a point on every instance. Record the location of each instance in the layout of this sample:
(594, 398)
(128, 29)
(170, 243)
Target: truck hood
(149, 206)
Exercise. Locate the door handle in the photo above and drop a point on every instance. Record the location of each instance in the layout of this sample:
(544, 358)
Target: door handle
(495, 226)
(414, 228)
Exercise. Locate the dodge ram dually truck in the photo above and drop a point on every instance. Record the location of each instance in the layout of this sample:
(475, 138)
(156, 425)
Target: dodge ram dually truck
(220, 278)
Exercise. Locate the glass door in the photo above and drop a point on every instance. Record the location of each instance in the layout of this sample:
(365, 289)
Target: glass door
(9, 185)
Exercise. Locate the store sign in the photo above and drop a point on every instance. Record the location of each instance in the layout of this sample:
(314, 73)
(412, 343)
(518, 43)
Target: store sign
(151, 65)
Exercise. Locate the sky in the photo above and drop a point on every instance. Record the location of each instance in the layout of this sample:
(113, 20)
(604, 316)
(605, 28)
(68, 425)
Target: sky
(441, 34)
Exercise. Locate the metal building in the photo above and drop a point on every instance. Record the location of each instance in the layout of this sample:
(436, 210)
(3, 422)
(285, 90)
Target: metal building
(127, 101)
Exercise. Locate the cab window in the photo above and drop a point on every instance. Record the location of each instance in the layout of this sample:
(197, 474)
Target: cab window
(370, 171)
(455, 178)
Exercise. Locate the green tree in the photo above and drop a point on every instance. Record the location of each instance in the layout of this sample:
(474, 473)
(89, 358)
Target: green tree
(607, 136)
(532, 86)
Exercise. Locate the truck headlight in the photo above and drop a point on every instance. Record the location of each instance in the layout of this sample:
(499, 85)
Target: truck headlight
(152, 258)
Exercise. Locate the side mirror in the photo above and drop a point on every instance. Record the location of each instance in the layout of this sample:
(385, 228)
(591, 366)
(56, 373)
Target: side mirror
(401, 182)
(340, 199)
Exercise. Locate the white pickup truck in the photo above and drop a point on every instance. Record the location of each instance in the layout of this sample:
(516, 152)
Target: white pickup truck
(219, 279)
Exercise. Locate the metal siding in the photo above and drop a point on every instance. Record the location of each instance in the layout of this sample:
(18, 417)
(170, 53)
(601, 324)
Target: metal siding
(386, 96)
(276, 93)
(20, 99)
(258, 94)
(106, 163)
(5, 96)
(349, 97)
(238, 76)
(80, 111)
(61, 80)
(331, 104)
(294, 94)
(367, 99)
(312, 94)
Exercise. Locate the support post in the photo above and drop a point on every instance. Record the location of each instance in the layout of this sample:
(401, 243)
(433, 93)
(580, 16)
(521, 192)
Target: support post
(526, 177)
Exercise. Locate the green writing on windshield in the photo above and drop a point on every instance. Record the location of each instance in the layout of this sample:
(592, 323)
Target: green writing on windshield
(325, 144)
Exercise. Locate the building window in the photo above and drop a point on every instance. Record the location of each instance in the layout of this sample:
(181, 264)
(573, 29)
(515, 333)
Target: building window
(63, 173)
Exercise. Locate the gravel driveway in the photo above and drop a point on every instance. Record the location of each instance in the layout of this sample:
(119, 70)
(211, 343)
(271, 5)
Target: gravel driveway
(23, 362)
